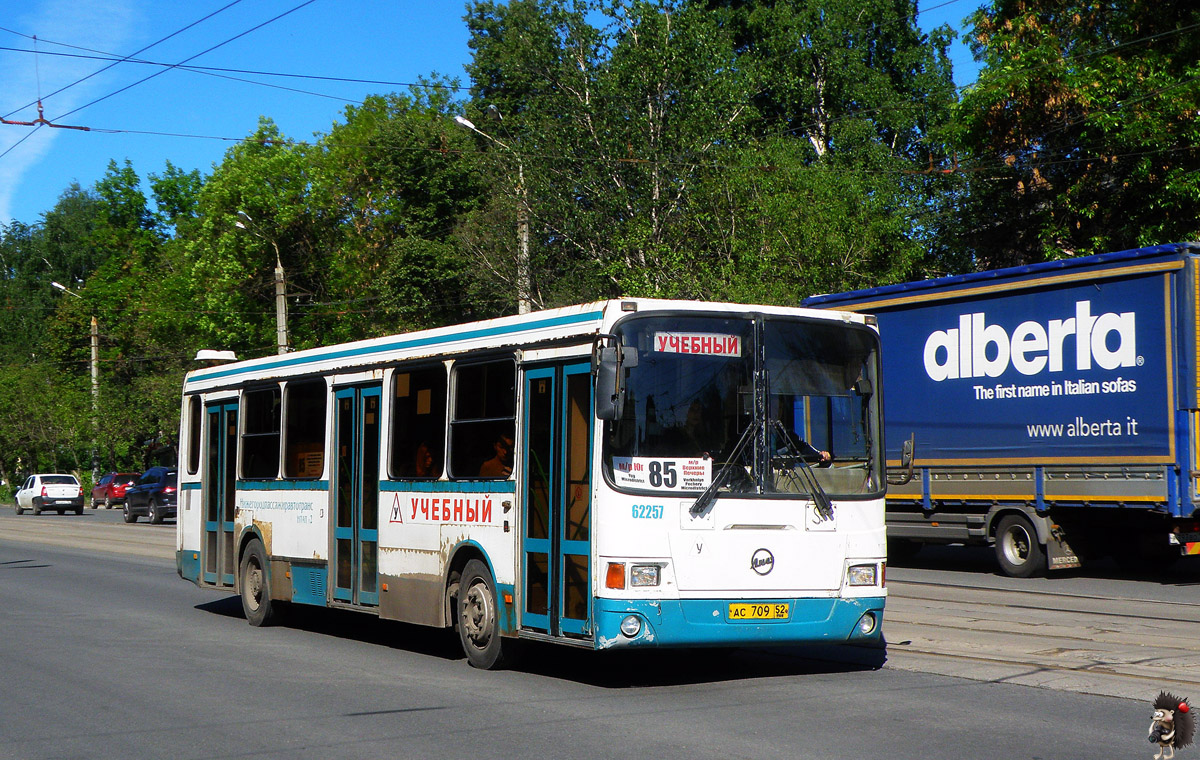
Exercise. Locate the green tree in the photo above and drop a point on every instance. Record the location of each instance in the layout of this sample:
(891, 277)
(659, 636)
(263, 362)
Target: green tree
(176, 196)
(658, 149)
(396, 177)
(1081, 131)
(231, 272)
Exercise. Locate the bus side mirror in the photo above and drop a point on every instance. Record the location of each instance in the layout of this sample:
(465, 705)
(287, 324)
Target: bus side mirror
(609, 364)
(906, 463)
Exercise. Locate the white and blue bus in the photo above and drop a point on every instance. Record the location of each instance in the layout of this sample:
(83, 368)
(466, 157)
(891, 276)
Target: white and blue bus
(629, 473)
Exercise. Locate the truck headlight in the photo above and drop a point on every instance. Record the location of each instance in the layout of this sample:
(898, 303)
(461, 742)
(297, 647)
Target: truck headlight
(862, 575)
(644, 575)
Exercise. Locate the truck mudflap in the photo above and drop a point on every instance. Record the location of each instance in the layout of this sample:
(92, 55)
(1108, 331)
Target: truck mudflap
(1188, 543)
(1059, 554)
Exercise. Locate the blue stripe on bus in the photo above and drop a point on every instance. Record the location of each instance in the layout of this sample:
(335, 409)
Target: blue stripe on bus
(415, 486)
(703, 622)
(187, 564)
(449, 486)
(283, 485)
(591, 316)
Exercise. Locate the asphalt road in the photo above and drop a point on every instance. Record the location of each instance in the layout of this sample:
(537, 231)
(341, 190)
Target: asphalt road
(106, 653)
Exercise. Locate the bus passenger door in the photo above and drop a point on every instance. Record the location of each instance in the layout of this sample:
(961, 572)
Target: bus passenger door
(556, 494)
(220, 490)
(356, 494)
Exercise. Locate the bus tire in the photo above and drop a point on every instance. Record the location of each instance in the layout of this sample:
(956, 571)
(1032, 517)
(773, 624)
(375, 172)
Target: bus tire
(478, 618)
(255, 591)
(1018, 550)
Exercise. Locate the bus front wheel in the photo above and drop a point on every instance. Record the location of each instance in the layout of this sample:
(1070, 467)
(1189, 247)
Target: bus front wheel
(256, 594)
(478, 617)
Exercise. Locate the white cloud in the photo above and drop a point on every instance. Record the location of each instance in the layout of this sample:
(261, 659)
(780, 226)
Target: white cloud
(109, 26)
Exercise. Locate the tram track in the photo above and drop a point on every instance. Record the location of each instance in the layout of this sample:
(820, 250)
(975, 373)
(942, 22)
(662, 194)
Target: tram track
(1083, 604)
(1112, 644)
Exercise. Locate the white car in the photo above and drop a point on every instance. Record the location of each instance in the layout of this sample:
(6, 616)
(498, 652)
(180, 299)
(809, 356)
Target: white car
(50, 491)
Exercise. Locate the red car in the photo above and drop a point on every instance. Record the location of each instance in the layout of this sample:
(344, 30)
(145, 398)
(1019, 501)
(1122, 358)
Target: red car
(110, 489)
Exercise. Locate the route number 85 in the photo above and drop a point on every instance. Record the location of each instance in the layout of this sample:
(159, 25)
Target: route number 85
(662, 474)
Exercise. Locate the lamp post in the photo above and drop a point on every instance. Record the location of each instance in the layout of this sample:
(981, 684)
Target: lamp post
(524, 285)
(95, 370)
(244, 222)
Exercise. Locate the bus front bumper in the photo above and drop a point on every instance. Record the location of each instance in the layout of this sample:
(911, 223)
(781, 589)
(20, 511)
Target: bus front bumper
(708, 623)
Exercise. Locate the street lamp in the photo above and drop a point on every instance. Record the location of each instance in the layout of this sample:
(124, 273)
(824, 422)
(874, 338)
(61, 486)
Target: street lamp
(95, 369)
(244, 222)
(524, 285)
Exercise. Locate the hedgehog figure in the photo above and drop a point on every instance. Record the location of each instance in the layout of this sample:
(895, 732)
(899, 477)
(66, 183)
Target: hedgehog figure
(1172, 724)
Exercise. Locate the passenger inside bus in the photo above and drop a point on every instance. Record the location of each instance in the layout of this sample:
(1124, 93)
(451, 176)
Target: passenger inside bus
(500, 465)
(423, 464)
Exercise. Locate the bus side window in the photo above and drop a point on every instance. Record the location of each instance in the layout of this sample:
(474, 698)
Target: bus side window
(260, 433)
(418, 422)
(304, 412)
(193, 437)
(484, 420)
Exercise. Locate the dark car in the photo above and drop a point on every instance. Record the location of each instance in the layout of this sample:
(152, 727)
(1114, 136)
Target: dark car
(154, 495)
(110, 489)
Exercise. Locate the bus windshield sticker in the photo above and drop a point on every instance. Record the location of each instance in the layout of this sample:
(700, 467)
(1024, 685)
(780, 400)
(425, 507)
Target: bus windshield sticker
(676, 474)
(704, 344)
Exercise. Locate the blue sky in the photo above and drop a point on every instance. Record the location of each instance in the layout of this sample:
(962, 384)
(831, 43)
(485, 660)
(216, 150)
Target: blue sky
(191, 118)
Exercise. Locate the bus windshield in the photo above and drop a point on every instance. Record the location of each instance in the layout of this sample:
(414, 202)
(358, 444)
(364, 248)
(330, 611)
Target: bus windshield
(764, 405)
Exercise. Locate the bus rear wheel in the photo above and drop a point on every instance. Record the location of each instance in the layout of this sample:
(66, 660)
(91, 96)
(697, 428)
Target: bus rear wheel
(255, 591)
(479, 618)
(1018, 550)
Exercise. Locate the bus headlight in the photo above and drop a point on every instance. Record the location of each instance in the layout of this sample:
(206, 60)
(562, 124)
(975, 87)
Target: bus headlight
(631, 626)
(867, 624)
(862, 575)
(644, 575)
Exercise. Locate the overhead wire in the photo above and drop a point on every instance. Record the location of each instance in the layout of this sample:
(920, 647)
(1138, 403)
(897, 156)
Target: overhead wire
(100, 55)
(792, 130)
(189, 58)
(115, 61)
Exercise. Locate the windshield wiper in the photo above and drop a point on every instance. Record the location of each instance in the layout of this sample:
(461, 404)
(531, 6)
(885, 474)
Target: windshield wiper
(808, 478)
(710, 493)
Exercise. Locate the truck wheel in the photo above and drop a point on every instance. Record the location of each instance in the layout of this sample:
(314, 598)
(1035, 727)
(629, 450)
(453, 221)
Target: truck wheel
(255, 591)
(1017, 548)
(479, 618)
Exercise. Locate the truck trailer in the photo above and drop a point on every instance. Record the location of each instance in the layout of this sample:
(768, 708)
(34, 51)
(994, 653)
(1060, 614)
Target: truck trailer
(1053, 409)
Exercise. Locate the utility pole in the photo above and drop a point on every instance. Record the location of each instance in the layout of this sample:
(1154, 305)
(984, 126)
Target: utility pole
(244, 222)
(95, 372)
(524, 277)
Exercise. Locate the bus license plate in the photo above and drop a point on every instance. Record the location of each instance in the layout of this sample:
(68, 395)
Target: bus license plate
(773, 611)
